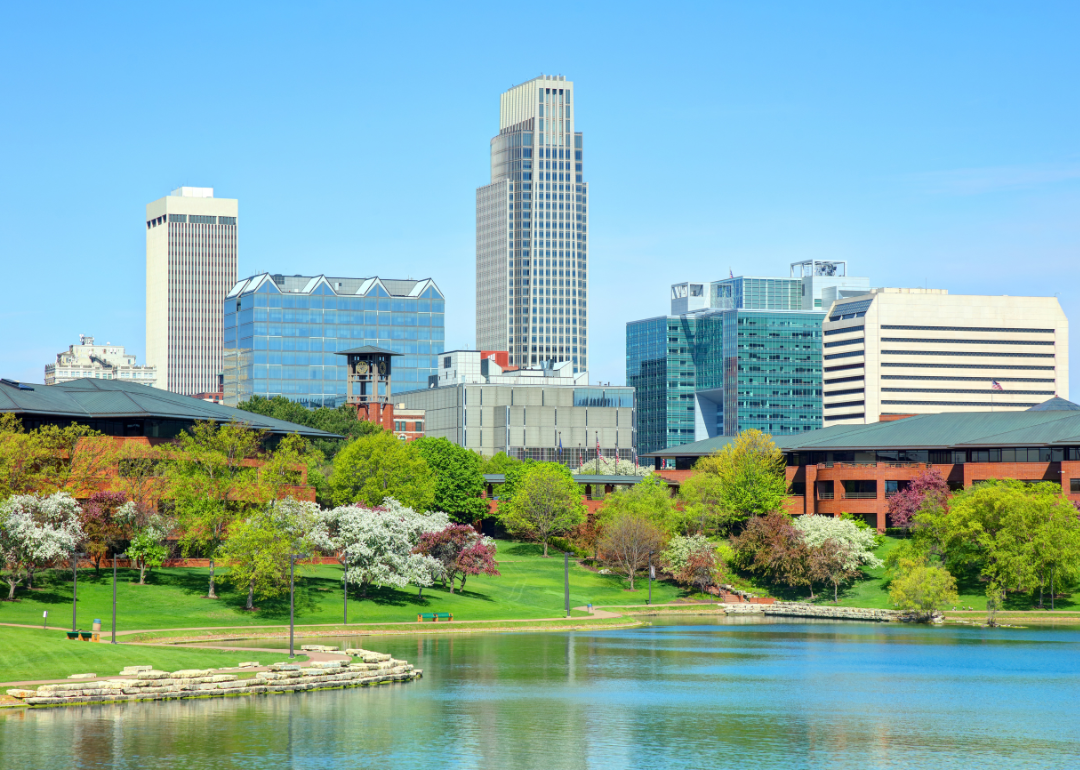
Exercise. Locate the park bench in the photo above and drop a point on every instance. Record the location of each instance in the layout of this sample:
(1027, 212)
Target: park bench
(434, 617)
(85, 636)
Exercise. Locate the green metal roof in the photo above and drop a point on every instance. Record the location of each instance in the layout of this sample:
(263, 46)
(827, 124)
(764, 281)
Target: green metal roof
(946, 430)
(89, 399)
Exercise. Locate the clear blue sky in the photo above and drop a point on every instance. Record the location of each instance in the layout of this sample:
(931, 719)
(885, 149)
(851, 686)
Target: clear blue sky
(926, 143)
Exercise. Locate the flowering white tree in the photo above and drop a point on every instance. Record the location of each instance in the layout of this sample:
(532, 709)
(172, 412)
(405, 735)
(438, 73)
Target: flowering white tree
(857, 542)
(378, 543)
(36, 531)
(609, 466)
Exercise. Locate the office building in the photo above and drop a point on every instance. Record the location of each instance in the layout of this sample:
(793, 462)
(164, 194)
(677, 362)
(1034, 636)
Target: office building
(191, 253)
(547, 413)
(855, 469)
(733, 354)
(532, 231)
(99, 362)
(283, 333)
(894, 352)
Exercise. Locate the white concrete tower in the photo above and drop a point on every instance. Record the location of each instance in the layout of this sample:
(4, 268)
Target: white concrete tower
(191, 248)
(531, 231)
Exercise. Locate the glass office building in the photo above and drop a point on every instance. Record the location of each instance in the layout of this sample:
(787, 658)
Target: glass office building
(282, 334)
(718, 372)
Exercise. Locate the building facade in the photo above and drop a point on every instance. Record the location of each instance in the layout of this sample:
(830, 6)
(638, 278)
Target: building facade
(191, 259)
(739, 353)
(549, 413)
(855, 469)
(532, 231)
(99, 362)
(894, 352)
(283, 333)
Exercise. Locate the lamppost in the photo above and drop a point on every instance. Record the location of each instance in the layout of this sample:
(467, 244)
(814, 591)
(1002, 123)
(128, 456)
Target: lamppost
(292, 597)
(566, 580)
(114, 558)
(345, 582)
(650, 579)
(75, 556)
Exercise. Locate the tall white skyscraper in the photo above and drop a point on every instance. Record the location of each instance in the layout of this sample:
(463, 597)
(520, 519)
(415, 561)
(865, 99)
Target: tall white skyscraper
(531, 231)
(190, 267)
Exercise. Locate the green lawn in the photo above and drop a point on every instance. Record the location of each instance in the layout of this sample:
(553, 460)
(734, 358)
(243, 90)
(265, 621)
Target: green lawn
(872, 590)
(36, 654)
(530, 587)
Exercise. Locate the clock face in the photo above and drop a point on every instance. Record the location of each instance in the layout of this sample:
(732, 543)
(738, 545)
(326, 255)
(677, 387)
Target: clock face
(362, 367)
(382, 367)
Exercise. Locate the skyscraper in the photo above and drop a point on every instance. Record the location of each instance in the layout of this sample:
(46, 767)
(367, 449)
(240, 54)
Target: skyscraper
(531, 231)
(190, 267)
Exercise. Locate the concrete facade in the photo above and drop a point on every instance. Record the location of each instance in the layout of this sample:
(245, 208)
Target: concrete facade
(894, 352)
(99, 362)
(191, 262)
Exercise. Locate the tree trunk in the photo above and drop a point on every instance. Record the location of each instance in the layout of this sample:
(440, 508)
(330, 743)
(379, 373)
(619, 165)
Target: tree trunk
(835, 589)
(29, 579)
(631, 580)
(545, 549)
(142, 572)
(451, 581)
(211, 595)
(463, 578)
(251, 596)
(11, 592)
(420, 592)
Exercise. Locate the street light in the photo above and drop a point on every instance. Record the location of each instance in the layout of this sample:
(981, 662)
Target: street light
(650, 579)
(345, 581)
(292, 600)
(566, 580)
(114, 558)
(75, 556)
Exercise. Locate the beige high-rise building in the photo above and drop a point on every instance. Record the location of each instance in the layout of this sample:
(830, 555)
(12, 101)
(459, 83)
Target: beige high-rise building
(902, 352)
(532, 231)
(191, 255)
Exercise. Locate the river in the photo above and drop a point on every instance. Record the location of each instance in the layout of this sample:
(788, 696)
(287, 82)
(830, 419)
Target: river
(677, 694)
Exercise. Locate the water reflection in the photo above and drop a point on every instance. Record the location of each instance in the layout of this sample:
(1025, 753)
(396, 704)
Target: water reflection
(781, 695)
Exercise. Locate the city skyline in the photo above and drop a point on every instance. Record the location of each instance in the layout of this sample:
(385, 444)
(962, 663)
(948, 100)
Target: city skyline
(760, 138)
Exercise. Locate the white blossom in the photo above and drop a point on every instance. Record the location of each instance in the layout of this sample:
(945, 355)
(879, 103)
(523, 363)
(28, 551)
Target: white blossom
(36, 531)
(378, 542)
(859, 542)
(609, 466)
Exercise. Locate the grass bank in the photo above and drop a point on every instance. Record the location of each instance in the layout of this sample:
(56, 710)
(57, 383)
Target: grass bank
(530, 587)
(35, 654)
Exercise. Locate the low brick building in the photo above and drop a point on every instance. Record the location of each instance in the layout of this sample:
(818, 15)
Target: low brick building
(856, 468)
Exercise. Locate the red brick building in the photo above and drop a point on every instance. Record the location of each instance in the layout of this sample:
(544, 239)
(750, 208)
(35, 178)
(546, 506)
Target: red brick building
(856, 468)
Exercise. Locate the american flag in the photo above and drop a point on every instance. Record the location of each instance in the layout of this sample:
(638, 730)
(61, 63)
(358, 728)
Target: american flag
(616, 454)
(598, 449)
(995, 385)
(730, 273)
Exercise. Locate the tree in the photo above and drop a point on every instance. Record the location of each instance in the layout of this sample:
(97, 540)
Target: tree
(751, 474)
(459, 482)
(379, 466)
(693, 561)
(858, 542)
(650, 498)
(260, 546)
(36, 531)
(627, 541)
(609, 466)
(378, 543)
(1008, 530)
(499, 462)
(702, 497)
(341, 420)
(921, 588)
(147, 548)
(49, 459)
(546, 502)
(102, 527)
(830, 561)
(512, 476)
(928, 487)
(771, 546)
(214, 481)
(461, 551)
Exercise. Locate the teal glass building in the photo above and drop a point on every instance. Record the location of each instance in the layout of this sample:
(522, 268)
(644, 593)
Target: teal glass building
(724, 368)
(282, 334)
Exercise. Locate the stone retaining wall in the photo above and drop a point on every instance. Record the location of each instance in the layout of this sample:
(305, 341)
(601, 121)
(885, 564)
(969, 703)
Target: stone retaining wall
(800, 610)
(369, 668)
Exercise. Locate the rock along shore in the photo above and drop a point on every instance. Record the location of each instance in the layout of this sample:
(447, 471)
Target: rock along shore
(800, 610)
(367, 668)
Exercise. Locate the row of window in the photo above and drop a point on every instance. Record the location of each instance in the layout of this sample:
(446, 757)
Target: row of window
(966, 329)
(943, 341)
(848, 330)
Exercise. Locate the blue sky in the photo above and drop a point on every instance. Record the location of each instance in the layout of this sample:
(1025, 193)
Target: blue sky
(926, 143)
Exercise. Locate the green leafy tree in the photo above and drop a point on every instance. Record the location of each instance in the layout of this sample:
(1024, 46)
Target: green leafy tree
(546, 502)
(750, 479)
(650, 498)
(147, 549)
(259, 546)
(375, 467)
(341, 420)
(499, 462)
(459, 482)
(213, 482)
(701, 497)
(922, 588)
(512, 476)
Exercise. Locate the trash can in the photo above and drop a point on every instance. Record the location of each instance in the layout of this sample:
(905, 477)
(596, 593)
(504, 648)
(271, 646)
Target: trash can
(97, 625)
(590, 608)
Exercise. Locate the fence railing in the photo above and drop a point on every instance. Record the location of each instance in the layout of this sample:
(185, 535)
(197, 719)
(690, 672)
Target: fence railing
(860, 495)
